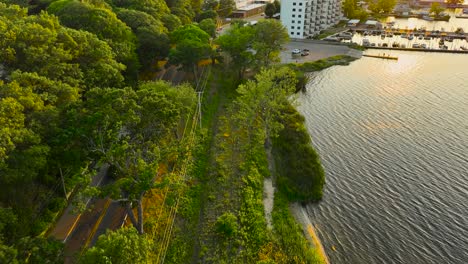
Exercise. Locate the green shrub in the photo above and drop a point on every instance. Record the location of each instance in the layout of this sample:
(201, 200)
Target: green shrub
(226, 225)
(288, 235)
(300, 173)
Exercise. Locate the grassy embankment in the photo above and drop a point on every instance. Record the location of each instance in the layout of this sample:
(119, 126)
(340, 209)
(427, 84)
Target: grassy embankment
(228, 192)
(183, 243)
(222, 217)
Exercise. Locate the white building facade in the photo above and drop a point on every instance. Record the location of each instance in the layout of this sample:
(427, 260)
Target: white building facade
(306, 18)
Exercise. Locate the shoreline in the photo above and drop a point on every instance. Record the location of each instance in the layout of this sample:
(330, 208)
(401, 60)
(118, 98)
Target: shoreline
(301, 217)
(295, 208)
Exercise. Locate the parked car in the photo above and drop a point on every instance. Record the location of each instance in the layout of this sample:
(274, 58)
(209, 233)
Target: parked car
(296, 51)
(304, 53)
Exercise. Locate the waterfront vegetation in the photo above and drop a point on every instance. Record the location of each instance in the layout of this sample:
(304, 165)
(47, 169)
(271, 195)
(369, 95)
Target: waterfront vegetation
(319, 65)
(71, 100)
(300, 174)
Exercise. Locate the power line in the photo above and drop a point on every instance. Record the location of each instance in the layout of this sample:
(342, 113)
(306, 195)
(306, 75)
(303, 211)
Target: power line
(173, 212)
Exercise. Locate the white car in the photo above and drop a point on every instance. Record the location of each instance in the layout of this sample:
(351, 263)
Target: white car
(296, 51)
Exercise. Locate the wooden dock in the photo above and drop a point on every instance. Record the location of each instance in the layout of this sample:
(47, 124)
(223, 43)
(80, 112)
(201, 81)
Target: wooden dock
(387, 57)
(420, 50)
(418, 32)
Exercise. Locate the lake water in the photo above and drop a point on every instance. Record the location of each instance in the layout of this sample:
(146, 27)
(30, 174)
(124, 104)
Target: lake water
(393, 139)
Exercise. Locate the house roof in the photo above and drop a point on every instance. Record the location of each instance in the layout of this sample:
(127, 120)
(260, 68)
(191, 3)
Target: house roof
(371, 22)
(353, 21)
(250, 7)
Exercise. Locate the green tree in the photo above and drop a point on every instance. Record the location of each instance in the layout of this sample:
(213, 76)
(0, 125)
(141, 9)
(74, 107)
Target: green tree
(349, 8)
(209, 26)
(352, 10)
(40, 250)
(105, 24)
(189, 32)
(155, 8)
(133, 131)
(436, 9)
(137, 19)
(47, 68)
(171, 22)
(151, 46)
(152, 40)
(207, 14)
(226, 7)
(211, 5)
(262, 101)
(8, 254)
(382, 6)
(32, 250)
(270, 10)
(270, 36)
(22, 3)
(40, 44)
(183, 10)
(236, 42)
(119, 247)
(191, 45)
(277, 6)
(196, 5)
(8, 224)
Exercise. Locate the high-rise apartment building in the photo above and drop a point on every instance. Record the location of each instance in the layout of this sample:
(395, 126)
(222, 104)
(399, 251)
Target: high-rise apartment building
(306, 18)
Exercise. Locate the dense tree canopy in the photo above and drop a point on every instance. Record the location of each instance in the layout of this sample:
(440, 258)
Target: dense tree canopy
(155, 8)
(40, 44)
(226, 7)
(47, 69)
(105, 24)
(262, 101)
(152, 39)
(270, 36)
(236, 42)
(270, 10)
(134, 131)
(382, 6)
(121, 246)
(59, 85)
(191, 45)
(209, 26)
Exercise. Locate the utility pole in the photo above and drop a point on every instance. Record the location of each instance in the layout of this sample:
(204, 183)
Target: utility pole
(199, 108)
(63, 184)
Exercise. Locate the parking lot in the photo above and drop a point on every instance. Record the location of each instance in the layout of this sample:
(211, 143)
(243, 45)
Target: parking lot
(317, 50)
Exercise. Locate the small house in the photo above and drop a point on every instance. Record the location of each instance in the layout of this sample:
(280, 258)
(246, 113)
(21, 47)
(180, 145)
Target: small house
(373, 24)
(353, 22)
